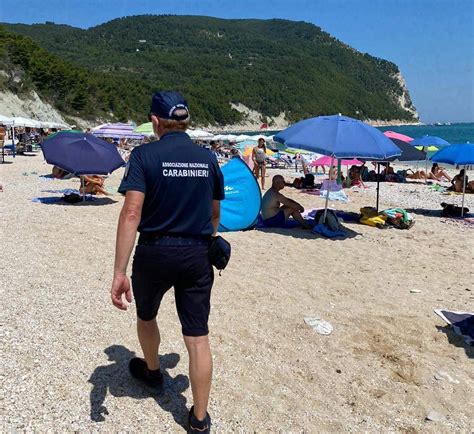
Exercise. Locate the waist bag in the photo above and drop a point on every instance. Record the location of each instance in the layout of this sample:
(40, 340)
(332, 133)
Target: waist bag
(219, 252)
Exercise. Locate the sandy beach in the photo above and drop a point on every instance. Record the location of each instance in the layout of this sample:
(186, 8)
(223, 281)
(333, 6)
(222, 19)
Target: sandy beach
(65, 347)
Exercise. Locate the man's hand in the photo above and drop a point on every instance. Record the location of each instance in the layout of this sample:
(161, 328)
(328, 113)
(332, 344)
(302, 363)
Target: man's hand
(120, 286)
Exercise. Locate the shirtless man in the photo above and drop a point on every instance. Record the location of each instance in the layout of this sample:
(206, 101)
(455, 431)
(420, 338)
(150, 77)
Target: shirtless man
(276, 208)
(457, 183)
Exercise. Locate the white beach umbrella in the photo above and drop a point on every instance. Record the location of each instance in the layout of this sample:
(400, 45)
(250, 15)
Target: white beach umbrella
(4, 120)
(261, 136)
(243, 137)
(200, 135)
(24, 122)
(230, 137)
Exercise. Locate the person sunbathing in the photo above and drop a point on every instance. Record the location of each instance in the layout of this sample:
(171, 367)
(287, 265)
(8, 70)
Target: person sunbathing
(457, 182)
(419, 174)
(469, 186)
(438, 173)
(92, 184)
(276, 208)
(59, 173)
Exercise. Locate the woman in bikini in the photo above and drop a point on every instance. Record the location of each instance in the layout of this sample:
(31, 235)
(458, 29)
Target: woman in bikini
(92, 184)
(259, 155)
(438, 173)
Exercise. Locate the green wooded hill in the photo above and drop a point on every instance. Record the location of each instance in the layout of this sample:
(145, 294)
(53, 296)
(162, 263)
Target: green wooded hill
(271, 66)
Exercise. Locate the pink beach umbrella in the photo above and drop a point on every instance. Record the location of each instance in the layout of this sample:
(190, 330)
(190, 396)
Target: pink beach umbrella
(394, 135)
(326, 161)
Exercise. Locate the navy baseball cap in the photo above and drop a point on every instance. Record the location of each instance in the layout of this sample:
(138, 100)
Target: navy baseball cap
(169, 105)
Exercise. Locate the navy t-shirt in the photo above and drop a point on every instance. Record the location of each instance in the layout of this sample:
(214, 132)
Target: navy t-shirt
(180, 180)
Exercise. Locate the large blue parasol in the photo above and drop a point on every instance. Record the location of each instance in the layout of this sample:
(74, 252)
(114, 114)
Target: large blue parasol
(339, 136)
(81, 154)
(457, 155)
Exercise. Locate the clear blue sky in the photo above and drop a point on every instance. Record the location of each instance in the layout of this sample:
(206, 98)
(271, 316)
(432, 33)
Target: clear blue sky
(430, 40)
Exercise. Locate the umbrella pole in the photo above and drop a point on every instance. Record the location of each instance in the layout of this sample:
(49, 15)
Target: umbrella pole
(339, 171)
(83, 189)
(327, 193)
(378, 185)
(426, 167)
(463, 191)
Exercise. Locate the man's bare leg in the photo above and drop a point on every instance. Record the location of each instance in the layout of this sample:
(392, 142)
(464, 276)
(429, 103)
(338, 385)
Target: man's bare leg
(299, 218)
(296, 215)
(149, 337)
(200, 372)
(262, 180)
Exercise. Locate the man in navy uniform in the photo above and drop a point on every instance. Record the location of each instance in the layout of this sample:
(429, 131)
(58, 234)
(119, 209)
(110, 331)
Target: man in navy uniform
(173, 190)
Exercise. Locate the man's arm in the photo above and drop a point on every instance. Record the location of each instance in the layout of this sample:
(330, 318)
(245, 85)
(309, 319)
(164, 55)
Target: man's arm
(126, 232)
(216, 215)
(289, 203)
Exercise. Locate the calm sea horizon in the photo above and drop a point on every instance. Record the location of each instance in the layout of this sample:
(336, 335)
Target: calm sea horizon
(454, 133)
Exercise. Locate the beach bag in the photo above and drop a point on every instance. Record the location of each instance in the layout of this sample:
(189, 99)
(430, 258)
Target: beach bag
(332, 222)
(219, 252)
(399, 218)
(370, 217)
(308, 181)
(72, 198)
(450, 210)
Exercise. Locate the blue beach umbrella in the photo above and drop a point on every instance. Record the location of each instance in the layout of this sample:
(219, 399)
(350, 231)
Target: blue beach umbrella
(340, 137)
(457, 155)
(427, 141)
(81, 154)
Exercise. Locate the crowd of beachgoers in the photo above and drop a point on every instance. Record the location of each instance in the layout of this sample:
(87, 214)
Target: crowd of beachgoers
(384, 361)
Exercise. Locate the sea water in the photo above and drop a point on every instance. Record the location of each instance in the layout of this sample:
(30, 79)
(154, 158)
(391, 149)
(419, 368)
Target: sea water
(453, 133)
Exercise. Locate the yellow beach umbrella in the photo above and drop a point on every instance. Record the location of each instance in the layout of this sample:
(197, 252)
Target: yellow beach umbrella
(146, 129)
(427, 148)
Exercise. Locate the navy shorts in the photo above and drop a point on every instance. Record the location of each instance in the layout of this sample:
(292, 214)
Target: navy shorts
(159, 266)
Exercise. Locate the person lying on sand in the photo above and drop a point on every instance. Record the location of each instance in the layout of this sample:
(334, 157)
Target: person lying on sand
(419, 174)
(59, 173)
(92, 184)
(276, 208)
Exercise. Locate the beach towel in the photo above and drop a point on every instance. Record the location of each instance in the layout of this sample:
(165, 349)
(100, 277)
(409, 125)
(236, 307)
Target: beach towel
(462, 323)
(335, 195)
(399, 218)
(289, 224)
(55, 199)
(370, 217)
(62, 190)
(328, 233)
(352, 217)
(437, 187)
(330, 185)
(50, 199)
